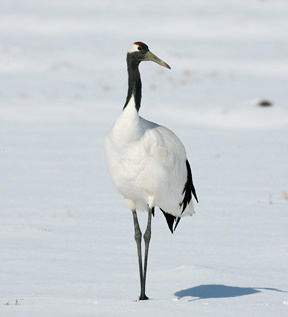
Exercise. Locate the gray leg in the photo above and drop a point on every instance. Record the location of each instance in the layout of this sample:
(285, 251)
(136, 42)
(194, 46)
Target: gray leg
(147, 237)
(138, 238)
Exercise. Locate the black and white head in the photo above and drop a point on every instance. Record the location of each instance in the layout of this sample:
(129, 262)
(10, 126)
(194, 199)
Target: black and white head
(139, 52)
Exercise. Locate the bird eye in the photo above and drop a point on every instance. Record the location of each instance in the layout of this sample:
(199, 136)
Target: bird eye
(139, 48)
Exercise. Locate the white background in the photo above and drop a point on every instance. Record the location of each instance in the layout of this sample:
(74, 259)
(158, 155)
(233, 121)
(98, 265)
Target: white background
(66, 235)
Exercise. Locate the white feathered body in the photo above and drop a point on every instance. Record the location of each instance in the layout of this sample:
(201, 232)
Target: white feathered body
(147, 163)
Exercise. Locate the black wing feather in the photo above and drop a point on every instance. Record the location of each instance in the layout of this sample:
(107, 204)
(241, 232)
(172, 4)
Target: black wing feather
(171, 220)
(188, 190)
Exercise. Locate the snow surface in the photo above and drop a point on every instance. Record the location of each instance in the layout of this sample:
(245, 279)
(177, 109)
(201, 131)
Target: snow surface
(66, 236)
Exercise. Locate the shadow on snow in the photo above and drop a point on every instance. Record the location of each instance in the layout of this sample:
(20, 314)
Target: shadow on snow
(220, 291)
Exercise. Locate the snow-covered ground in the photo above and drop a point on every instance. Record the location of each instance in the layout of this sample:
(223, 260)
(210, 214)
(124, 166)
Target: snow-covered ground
(66, 236)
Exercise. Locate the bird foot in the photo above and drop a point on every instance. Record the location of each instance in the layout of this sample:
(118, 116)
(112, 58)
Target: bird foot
(143, 297)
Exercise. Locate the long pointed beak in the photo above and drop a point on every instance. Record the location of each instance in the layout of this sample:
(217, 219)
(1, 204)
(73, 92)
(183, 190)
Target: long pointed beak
(151, 57)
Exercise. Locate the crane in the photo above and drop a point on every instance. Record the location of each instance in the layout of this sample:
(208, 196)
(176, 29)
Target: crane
(147, 162)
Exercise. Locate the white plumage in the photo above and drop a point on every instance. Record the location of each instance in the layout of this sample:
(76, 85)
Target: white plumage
(147, 162)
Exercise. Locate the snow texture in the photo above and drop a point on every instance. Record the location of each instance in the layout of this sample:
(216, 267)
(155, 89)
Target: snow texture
(66, 235)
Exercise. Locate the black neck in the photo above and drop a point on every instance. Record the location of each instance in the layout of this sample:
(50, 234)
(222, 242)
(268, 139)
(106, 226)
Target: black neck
(134, 82)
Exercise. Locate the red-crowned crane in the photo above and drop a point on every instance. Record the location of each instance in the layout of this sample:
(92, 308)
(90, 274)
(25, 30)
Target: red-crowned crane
(147, 162)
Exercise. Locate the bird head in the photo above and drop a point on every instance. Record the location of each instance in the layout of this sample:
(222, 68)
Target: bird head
(139, 52)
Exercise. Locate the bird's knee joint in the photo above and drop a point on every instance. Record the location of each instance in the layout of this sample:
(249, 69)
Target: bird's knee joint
(138, 236)
(147, 236)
